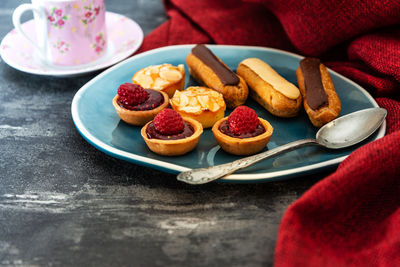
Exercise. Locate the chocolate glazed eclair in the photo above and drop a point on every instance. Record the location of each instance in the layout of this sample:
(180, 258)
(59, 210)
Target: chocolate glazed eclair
(210, 71)
(320, 100)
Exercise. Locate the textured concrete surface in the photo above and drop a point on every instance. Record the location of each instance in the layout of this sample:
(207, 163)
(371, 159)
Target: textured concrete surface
(64, 203)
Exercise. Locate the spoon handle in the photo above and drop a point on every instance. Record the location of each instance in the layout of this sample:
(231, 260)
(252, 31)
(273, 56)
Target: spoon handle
(205, 175)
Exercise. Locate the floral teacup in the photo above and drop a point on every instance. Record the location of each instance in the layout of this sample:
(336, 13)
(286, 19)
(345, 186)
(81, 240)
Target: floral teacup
(69, 32)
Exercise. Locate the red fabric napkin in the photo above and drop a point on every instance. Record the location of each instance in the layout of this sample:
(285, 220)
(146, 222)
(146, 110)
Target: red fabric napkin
(352, 217)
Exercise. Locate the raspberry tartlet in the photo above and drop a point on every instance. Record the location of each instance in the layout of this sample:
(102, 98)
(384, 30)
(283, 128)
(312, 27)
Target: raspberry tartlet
(165, 78)
(243, 132)
(136, 105)
(200, 103)
(171, 135)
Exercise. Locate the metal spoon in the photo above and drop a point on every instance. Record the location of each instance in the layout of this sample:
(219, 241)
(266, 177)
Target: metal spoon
(339, 133)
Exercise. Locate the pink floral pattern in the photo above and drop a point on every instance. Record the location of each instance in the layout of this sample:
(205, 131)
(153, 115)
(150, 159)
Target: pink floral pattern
(99, 44)
(62, 47)
(90, 14)
(57, 17)
(16, 51)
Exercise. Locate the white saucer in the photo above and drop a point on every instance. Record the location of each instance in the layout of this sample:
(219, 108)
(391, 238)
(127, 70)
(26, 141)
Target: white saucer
(123, 34)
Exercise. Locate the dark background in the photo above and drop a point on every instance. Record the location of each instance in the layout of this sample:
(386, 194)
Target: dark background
(64, 203)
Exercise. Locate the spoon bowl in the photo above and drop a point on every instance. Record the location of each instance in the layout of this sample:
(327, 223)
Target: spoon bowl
(351, 129)
(342, 132)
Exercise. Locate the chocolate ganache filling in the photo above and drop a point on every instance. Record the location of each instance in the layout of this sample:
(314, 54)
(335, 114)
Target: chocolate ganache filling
(315, 94)
(154, 100)
(226, 76)
(224, 128)
(151, 132)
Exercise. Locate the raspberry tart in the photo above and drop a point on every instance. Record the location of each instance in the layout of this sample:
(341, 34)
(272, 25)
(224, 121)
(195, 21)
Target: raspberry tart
(171, 135)
(165, 78)
(136, 105)
(200, 103)
(243, 132)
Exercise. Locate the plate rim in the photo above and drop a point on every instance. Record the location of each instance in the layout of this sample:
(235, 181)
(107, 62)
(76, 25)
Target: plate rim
(174, 168)
(75, 72)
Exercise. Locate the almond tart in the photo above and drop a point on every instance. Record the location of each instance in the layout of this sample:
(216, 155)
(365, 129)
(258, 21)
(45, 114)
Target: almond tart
(171, 135)
(137, 106)
(242, 134)
(165, 78)
(200, 103)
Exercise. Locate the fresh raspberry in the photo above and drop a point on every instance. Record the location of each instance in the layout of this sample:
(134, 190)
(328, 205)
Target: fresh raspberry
(243, 120)
(169, 122)
(131, 94)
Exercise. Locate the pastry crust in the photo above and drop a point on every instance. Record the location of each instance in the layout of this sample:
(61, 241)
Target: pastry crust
(200, 103)
(324, 114)
(139, 118)
(244, 146)
(174, 147)
(167, 86)
(234, 95)
(170, 90)
(207, 118)
(267, 96)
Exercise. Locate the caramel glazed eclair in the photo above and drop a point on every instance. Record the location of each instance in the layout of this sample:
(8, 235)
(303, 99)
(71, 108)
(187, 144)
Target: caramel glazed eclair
(210, 71)
(272, 91)
(321, 102)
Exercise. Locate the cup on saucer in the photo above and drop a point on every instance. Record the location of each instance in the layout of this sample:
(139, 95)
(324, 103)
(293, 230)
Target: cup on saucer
(69, 33)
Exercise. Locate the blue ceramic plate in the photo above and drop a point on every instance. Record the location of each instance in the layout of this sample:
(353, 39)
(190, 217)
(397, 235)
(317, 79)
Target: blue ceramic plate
(97, 121)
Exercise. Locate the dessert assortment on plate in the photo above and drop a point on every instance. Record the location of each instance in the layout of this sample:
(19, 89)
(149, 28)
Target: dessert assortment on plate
(176, 131)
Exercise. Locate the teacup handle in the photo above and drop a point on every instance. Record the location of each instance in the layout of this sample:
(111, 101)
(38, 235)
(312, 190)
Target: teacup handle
(42, 37)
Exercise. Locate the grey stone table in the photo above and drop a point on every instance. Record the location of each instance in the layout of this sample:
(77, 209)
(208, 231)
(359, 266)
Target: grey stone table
(64, 203)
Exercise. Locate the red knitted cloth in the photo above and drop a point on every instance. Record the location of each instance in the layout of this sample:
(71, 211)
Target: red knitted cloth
(352, 217)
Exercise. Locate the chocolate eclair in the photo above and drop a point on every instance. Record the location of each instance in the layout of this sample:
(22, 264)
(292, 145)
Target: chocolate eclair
(210, 71)
(320, 100)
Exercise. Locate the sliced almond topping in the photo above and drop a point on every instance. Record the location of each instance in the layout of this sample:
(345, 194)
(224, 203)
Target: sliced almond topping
(159, 76)
(203, 100)
(165, 67)
(174, 102)
(190, 109)
(195, 99)
(220, 102)
(171, 75)
(143, 80)
(177, 95)
(189, 93)
(212, 106)
(159, 83)
(155, 69)
(216, 95)
(184, 100)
